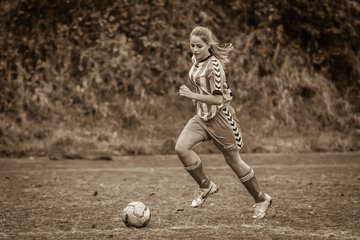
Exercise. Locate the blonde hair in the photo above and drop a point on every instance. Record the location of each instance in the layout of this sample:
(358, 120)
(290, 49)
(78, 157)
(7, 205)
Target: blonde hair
(219, 50)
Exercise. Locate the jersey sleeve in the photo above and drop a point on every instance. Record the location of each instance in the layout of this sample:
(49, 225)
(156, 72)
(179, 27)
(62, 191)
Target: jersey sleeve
(216, 77)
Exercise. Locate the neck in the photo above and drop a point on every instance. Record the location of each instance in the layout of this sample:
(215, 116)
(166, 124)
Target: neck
(205, 58)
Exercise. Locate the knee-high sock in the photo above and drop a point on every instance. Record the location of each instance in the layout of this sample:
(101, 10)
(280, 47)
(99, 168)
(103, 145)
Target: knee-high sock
(196, 170)
(252, 185)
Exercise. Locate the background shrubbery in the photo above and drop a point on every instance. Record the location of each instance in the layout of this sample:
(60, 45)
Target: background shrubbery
(81, 78)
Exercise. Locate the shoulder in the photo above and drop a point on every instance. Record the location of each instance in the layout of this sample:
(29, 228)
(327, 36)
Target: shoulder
(214, 66)
(214, 63)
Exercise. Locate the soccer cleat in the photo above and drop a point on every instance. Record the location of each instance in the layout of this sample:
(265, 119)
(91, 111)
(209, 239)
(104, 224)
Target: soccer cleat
(203, 194)
(261, 207)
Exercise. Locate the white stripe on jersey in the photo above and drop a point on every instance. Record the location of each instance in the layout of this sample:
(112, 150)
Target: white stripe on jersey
(198, 75)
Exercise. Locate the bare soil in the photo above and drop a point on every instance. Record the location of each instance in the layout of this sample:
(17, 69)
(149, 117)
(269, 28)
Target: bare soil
(316, 196)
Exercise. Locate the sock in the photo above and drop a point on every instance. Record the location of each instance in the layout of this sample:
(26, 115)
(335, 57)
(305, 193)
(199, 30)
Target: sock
(252, 185)
(197, 172)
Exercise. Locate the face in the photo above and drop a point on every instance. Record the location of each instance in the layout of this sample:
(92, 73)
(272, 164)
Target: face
(199, 48)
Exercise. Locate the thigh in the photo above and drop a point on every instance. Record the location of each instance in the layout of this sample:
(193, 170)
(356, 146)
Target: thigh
(225, 131)
(192, 134)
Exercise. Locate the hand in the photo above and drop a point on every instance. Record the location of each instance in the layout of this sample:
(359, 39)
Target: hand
(185, 91)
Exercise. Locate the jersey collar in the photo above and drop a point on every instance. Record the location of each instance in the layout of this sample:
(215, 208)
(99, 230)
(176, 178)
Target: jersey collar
(203, 60)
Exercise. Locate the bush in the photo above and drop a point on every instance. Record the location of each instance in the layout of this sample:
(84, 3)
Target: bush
(296, 64)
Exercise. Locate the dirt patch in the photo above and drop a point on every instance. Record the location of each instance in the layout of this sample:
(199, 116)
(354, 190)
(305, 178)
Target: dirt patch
(316, 196)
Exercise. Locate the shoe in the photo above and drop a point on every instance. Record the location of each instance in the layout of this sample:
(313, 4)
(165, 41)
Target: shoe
(261, 207)
(203, 194)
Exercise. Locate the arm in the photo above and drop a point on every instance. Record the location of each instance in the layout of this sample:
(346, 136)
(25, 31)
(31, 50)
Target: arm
(209, 99)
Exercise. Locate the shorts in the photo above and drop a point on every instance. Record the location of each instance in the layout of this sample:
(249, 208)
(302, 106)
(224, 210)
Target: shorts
(223, 129)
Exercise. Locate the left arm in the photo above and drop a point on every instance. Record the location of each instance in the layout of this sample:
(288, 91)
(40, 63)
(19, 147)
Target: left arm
(209, 99)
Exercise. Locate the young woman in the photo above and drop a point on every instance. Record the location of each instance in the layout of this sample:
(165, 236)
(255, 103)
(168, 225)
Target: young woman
(214, 120)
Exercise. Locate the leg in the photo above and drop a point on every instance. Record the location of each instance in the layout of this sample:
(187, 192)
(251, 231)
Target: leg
(191, 161)
(245, 174)
(247, 177)
(192, 134)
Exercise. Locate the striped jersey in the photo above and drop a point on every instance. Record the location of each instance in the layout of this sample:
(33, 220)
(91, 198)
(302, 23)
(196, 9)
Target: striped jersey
(208, 77)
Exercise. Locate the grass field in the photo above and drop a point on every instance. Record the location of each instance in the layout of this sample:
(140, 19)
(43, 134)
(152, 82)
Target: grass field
(316, 196)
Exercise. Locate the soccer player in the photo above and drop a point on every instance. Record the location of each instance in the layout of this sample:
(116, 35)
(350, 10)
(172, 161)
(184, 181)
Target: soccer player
(214, 120)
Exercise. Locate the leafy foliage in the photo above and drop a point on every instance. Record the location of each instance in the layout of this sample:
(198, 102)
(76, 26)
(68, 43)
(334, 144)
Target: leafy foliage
(123, 61)
(328, 31)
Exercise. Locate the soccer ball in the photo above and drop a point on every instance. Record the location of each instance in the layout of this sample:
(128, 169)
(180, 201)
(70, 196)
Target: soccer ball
(136, 214)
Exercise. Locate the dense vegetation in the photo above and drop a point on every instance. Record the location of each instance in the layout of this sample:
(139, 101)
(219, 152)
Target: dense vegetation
(79, 76)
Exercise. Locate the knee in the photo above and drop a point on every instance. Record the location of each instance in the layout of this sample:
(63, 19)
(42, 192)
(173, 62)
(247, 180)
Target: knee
(180, 149)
